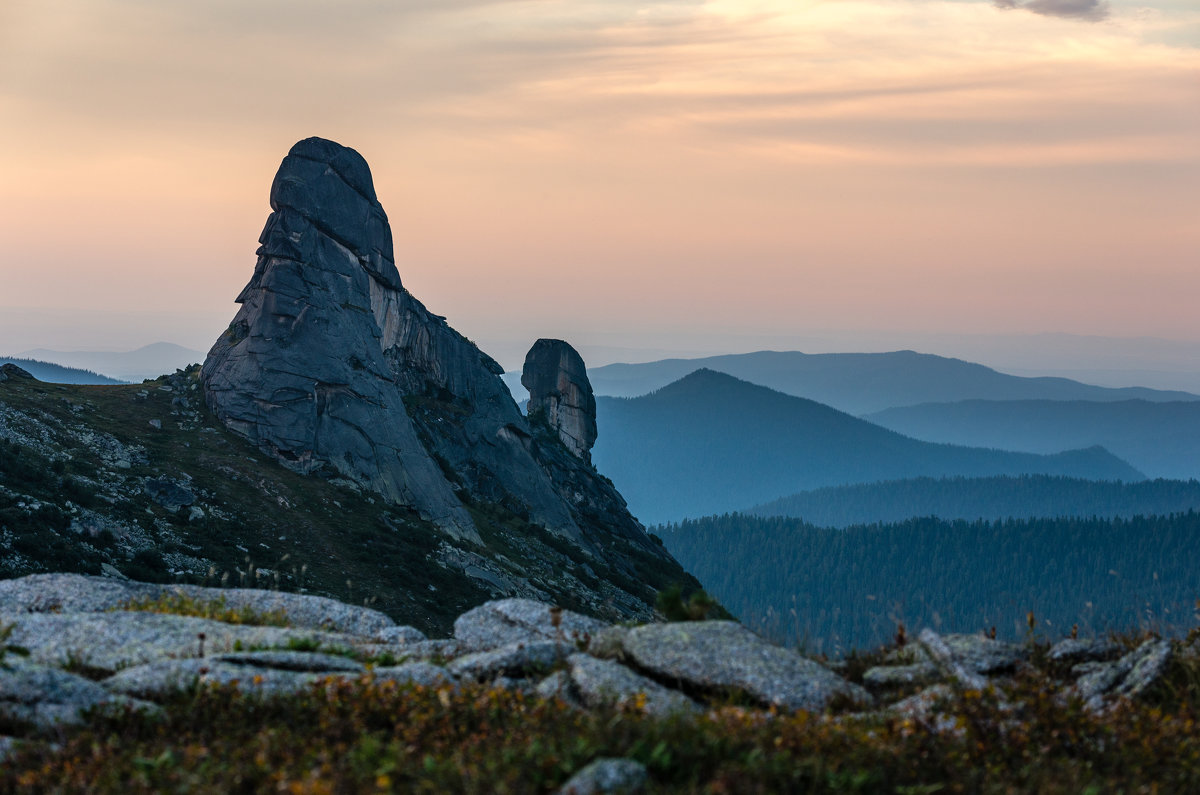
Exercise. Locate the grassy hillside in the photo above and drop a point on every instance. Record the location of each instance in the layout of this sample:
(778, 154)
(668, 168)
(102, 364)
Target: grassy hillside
(841, 589)
(1002, 497)
(710, 443)
(858, 383)
(87, 473)
(1160, 439)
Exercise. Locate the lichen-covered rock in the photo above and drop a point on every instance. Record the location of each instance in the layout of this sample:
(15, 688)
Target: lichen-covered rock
(302, 661)
(46, 697)
(604, 683)
(560, 394)
(159, 680)
(1072, 651)
(116, 640)
(719, 656)
(1127, 677)
(52, 593)
(504, 621)
(402, 635)
(888, 676)
(939, 652)
(519, 659)
(624, 776)
(422, 674)
(976, 653)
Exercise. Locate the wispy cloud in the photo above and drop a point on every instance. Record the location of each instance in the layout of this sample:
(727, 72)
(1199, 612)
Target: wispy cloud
(1090, 10)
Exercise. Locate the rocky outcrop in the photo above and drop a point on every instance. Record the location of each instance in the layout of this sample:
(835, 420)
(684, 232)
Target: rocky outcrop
(662, 669)
(10, 371)
(301, 371)
(560, 394)
(59, 660)
(333, 368)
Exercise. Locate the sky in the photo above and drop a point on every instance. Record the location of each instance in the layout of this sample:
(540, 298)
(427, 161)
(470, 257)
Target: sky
(688, 176)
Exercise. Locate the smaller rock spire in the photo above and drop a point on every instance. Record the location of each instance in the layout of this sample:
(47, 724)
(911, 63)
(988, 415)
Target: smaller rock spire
(561, 395)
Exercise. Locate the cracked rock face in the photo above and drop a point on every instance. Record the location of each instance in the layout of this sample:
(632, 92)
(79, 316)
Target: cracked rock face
(331, 365)
(559, 391)
(334, 369)
(301, 370)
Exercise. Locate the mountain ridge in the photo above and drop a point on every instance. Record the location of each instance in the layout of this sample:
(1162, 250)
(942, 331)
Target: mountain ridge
(860, 383)
(710, 443)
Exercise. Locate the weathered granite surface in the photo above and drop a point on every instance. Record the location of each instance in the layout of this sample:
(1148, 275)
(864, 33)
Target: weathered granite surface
(605, 775)
(560, 394)
(80, 659)
(717, 656)
(506, 621)
(333, 368)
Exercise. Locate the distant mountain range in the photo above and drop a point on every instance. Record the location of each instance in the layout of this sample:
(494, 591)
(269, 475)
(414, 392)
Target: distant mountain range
(57, 374)
(711, 443)
(1160, 439)
(859, 383)
(1001, 497)
(149, 361)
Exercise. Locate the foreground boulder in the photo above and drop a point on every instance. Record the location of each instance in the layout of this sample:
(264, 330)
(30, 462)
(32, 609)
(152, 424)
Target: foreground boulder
(723, 657)
(79, 659)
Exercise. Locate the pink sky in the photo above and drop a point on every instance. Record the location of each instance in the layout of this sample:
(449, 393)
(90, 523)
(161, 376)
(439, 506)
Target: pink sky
(656, 172)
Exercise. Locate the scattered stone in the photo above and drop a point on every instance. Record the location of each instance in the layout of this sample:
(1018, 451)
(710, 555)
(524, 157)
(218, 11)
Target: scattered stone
(557, 685)
(892, 676)
(169, 493)
(46, 697)
(156, 424)
(402, 635)
(976, 653)
(38, 593)
(438, 649)
(158, 680)
(506, 621)
(721, 656)
(1127, 677)
(108, 642)
(607, 775)
(922, 708)
(939, 652)
(1072, 651)
(516, 659)
(607, 683)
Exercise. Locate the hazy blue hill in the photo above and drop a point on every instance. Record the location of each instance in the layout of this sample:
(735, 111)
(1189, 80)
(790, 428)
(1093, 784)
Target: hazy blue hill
(1160, 439)
(148, 361)
(710, 443)
(859, 383)
(850, 587)
(57, 374)
(1002, 497)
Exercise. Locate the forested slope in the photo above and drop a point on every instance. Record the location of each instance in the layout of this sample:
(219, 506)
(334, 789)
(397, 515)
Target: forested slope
(833, 588)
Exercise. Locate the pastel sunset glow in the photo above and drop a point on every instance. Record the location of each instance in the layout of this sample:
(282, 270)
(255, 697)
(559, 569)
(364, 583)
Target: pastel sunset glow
(687, 174)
